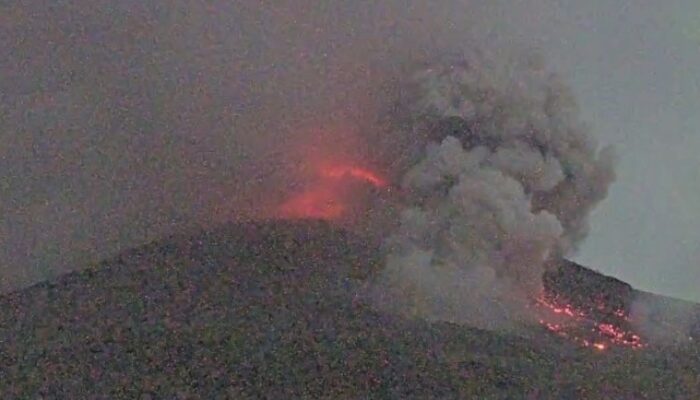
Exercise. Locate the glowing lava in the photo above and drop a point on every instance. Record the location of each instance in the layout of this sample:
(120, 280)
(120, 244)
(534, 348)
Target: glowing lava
(318, 203)
(353, 172)
(327, 198)
(581, 328)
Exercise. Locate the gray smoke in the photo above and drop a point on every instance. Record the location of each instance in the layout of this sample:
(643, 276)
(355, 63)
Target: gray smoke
(505, 181)
(121, 122)
(665, 320)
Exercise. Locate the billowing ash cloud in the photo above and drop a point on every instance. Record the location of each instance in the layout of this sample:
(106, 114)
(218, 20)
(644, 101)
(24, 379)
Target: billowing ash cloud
(121, 124)
(501, 178)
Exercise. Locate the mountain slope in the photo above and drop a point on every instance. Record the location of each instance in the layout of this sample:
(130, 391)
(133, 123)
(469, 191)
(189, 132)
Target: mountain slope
(268, 310)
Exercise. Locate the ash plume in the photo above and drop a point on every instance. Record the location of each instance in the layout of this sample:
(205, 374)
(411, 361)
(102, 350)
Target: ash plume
(122, 122)
(126, 122)
(505, 180)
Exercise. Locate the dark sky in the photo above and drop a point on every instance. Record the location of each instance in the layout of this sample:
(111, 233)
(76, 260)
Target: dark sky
(120, 121)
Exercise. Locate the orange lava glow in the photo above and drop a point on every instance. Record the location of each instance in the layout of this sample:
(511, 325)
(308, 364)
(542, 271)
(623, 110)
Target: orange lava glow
(339, 172)
(580, 328)
(320, 203)
(326, 198)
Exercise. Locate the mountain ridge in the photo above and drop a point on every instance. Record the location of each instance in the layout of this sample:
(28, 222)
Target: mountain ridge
(268, 310)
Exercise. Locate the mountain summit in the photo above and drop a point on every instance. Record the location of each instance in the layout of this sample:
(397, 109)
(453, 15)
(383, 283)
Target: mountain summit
(270, 310)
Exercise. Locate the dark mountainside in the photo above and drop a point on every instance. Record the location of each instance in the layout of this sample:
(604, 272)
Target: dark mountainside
(267, 310)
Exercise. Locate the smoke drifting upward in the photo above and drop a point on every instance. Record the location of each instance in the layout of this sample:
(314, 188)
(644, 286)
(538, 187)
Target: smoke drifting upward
(506, 180)
(121, 122)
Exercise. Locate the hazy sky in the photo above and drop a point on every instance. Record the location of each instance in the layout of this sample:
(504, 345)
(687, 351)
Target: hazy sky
(635, 66)
(122, 120)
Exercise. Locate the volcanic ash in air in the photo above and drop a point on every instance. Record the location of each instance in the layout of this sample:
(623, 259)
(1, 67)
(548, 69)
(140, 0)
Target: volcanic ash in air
(504, 178)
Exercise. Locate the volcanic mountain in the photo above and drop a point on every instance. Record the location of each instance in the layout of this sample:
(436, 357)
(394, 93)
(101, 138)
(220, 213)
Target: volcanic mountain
(270, 310)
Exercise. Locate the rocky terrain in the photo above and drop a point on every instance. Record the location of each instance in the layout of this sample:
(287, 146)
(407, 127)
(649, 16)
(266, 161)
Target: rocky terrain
(268, 310)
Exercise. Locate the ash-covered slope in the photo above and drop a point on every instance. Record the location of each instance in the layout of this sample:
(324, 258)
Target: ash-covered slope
(589, 290)
(269, 310)
(661, 320)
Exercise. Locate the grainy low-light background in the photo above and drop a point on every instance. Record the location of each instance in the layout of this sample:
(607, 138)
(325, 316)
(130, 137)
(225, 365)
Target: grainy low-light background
(122, 121)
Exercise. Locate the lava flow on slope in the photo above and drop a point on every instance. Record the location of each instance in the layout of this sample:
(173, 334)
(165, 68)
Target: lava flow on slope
(581, 328)
(587, 308)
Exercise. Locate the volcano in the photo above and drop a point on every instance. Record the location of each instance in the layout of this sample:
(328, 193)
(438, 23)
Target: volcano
(270, 310)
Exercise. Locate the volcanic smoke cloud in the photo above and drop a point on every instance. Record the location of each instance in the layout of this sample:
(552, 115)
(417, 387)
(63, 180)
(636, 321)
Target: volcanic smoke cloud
(505, 181)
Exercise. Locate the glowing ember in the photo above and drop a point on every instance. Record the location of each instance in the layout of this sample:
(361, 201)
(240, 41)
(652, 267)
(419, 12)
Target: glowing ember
(581, 328)
(326, 198)
(599, 346)
(354, 172)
